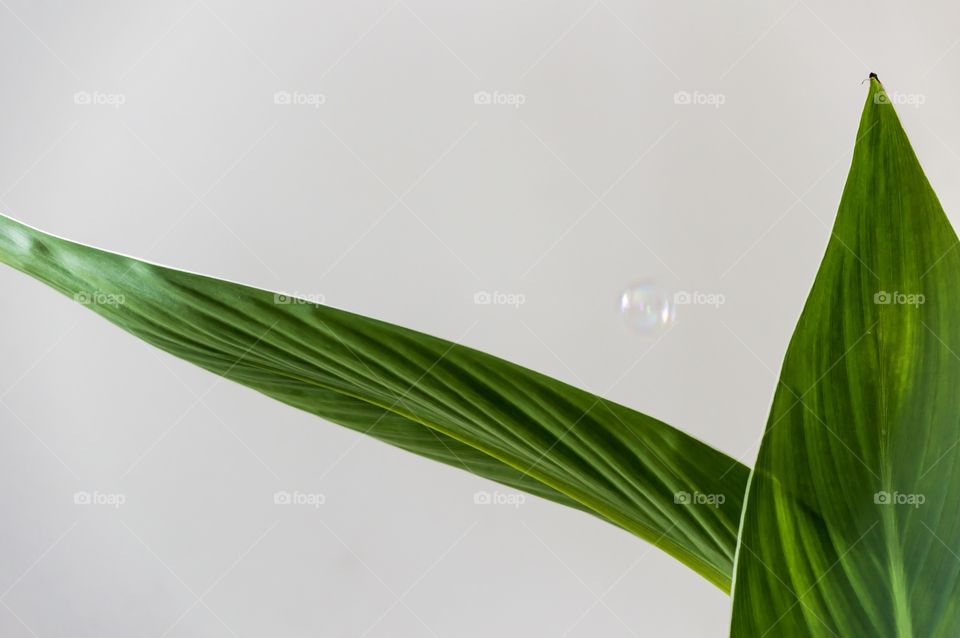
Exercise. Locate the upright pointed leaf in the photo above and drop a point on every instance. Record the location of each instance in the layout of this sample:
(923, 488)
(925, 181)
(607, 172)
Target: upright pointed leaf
(852, 522)
(426, 395)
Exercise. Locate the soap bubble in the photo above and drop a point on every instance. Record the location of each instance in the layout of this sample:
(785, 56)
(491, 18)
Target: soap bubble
(645, 307)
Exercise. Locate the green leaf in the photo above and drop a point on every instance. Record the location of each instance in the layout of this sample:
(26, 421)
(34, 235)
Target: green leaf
(426, 395)
(852, 522)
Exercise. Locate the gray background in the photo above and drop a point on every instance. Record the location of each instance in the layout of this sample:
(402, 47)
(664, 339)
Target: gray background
(400, 198)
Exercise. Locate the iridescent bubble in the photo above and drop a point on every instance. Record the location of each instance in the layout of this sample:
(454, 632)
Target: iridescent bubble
(645, 307)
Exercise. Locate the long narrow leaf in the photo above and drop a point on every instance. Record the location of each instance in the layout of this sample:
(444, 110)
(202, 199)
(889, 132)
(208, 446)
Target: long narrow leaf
(852, 523)
(426, 395)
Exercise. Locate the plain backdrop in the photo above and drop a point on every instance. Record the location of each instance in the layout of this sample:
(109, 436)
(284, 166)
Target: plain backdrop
(698, 147)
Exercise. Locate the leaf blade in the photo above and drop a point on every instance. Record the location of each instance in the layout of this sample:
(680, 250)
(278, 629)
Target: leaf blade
(430, 396)
(866, 412)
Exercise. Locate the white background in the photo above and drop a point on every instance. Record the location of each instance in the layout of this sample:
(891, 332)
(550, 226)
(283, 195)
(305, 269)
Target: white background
(400, 198)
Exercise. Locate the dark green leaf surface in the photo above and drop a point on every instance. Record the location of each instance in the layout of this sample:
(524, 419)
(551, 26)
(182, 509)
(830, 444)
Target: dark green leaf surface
(426, 395)
(852, 522)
